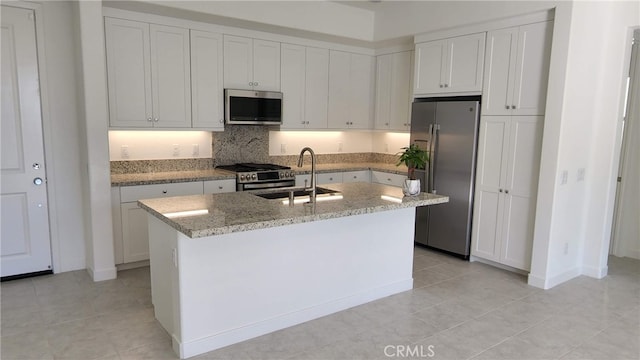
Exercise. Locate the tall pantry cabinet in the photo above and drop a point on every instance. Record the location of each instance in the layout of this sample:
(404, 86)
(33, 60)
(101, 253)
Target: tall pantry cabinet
(510, 142)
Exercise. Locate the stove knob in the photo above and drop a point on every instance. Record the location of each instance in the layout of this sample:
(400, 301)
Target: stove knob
(253, 176)
(291, 174)
(241, 177)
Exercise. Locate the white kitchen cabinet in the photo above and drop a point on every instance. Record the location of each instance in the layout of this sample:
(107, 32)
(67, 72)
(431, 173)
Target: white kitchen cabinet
(148, 75)
(251, 64)
(450, 65)
(303, 180)
(219, 186)
(329, 178)
(131, 238)
(305, 85)
(506, 189)
(393, 91)
(207, 107)
(356, 176)
(517, 70)
(351, 90)
(385, 178)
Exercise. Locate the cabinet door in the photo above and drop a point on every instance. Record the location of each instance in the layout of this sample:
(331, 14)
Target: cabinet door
(303, 180)
(135, 234)
(206, 80)
(316, 88)
(339, 89)
(380, 177)
(356, 176)
(384, 69)
(129, 73)
(266, 65)
(499, 79)
(532, 68)
(329, 178)
(170, 76)
(117, 225)
(219, 186)
(429, 59)
(465, 63)
(238, 62)
(521, 184)
(362, 75)
(293, 86)
(490, 175)
(400, 100)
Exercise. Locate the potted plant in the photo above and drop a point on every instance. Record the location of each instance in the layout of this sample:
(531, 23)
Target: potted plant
(414, 158)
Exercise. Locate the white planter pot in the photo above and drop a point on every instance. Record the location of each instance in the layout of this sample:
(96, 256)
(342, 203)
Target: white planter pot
(411, 187)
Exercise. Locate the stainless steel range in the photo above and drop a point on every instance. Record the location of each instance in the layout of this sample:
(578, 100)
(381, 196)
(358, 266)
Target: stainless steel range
(250, 176)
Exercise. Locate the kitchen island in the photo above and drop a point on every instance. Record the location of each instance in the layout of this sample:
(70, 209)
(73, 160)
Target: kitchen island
(229, 267)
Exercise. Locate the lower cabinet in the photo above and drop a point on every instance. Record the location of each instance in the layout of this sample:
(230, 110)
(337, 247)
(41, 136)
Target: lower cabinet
(380, 177)
(329, 178)
(506, 189)
(355, 176)
(131, 239)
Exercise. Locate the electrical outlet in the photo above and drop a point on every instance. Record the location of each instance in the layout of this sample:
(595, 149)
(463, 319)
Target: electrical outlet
(124, 152)
(386, 148)
(339, 146)
(565, 177)
(176, 149)
(195, 150)
(580, 175)
(283, 148)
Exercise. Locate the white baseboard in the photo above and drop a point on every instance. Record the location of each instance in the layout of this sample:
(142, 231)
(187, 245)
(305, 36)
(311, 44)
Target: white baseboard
(200, 346)
(548, 283)
(597, 273)
(103, 274)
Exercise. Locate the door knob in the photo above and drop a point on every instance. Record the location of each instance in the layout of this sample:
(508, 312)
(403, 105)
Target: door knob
(38, 181)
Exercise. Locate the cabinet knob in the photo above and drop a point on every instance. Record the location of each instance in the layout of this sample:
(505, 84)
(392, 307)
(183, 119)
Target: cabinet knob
(386, 124)
(441, 85)
(506, 191)
(220, 187)
(250, 83)
(446, 85)
(164, 191)
(221, 121)
(507, 107)
(500, 190)
(513, 106)
(304, 122)
(149, 119)
(155, 119)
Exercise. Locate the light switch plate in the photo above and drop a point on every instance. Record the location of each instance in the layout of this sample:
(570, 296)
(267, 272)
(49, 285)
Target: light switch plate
(124, 152)
(176, 149)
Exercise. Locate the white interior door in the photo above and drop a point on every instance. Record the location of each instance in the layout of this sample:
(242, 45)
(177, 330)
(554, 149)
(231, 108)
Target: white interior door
(26, 247)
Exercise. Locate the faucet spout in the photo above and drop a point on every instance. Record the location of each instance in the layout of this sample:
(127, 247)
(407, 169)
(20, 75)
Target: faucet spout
(312, 187)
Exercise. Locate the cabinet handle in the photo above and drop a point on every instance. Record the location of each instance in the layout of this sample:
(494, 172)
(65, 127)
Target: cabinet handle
(303, 122)
(500, 190)
(441, 85)
(164, 191)
(506, 107)
(355, 177)
(220, 187)
(386, 124)
(446, 85)
(513, 106)
(388, 179)
(307, 123)
(506, 191)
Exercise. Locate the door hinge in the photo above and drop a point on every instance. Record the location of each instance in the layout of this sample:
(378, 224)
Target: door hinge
(619, 178)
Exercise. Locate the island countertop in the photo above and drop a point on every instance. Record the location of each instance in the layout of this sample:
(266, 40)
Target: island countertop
(214, 214)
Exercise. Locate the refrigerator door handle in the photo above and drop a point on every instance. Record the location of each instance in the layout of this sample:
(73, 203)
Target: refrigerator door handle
(429, 187)
(435, 133)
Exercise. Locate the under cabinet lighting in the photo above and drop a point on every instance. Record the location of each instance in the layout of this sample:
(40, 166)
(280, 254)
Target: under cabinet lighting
(304, 199)
(186, 213)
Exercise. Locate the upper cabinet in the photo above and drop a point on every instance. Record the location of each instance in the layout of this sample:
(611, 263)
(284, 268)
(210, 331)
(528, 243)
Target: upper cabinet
(517, 71)
(251, 64)
(393, 91)
(351, 90)
(207, 107)
(451, 65)
(304, 83)
(148, 74)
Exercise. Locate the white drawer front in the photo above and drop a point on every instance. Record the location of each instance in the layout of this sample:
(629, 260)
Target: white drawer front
(303, 180)
(387, 178)
(329, 178)
(219, 186)
(355, 176)
(137, 192)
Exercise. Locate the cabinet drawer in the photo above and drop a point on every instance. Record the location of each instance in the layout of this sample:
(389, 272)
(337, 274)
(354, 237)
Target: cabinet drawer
(219, 186)
(329, 178)
(137, 192)
(387, 178)
(355, 176)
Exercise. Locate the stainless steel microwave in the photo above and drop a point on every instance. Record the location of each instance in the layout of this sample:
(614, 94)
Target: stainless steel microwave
(249, 107)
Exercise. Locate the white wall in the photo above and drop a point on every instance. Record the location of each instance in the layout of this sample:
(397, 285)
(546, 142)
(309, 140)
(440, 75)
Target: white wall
(324, 17)
(336, 142)
(155, 144)
(62, 138)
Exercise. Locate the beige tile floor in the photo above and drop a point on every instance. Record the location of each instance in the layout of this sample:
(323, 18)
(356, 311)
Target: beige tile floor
(457, 310)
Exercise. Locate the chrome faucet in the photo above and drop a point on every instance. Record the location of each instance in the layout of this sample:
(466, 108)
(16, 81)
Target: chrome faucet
(312, 188)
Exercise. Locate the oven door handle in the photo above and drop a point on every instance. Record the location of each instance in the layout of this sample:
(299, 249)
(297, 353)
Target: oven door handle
(259, 186)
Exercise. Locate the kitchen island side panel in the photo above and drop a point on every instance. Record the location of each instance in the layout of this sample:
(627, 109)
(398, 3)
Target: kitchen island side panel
(237, 286)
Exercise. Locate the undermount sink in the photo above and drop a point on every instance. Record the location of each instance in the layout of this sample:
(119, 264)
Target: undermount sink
(297, 193)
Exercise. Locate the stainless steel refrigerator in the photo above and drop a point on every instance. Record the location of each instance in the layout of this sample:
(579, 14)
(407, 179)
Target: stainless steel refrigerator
(448, 129)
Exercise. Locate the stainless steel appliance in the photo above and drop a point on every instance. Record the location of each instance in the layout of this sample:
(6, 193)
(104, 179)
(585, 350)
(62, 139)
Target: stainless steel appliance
(448, 129)
(251, 176)
(248, 107)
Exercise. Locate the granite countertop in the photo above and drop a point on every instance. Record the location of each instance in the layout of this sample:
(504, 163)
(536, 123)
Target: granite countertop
(216, 174)
(170, 177)
(244, 211)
